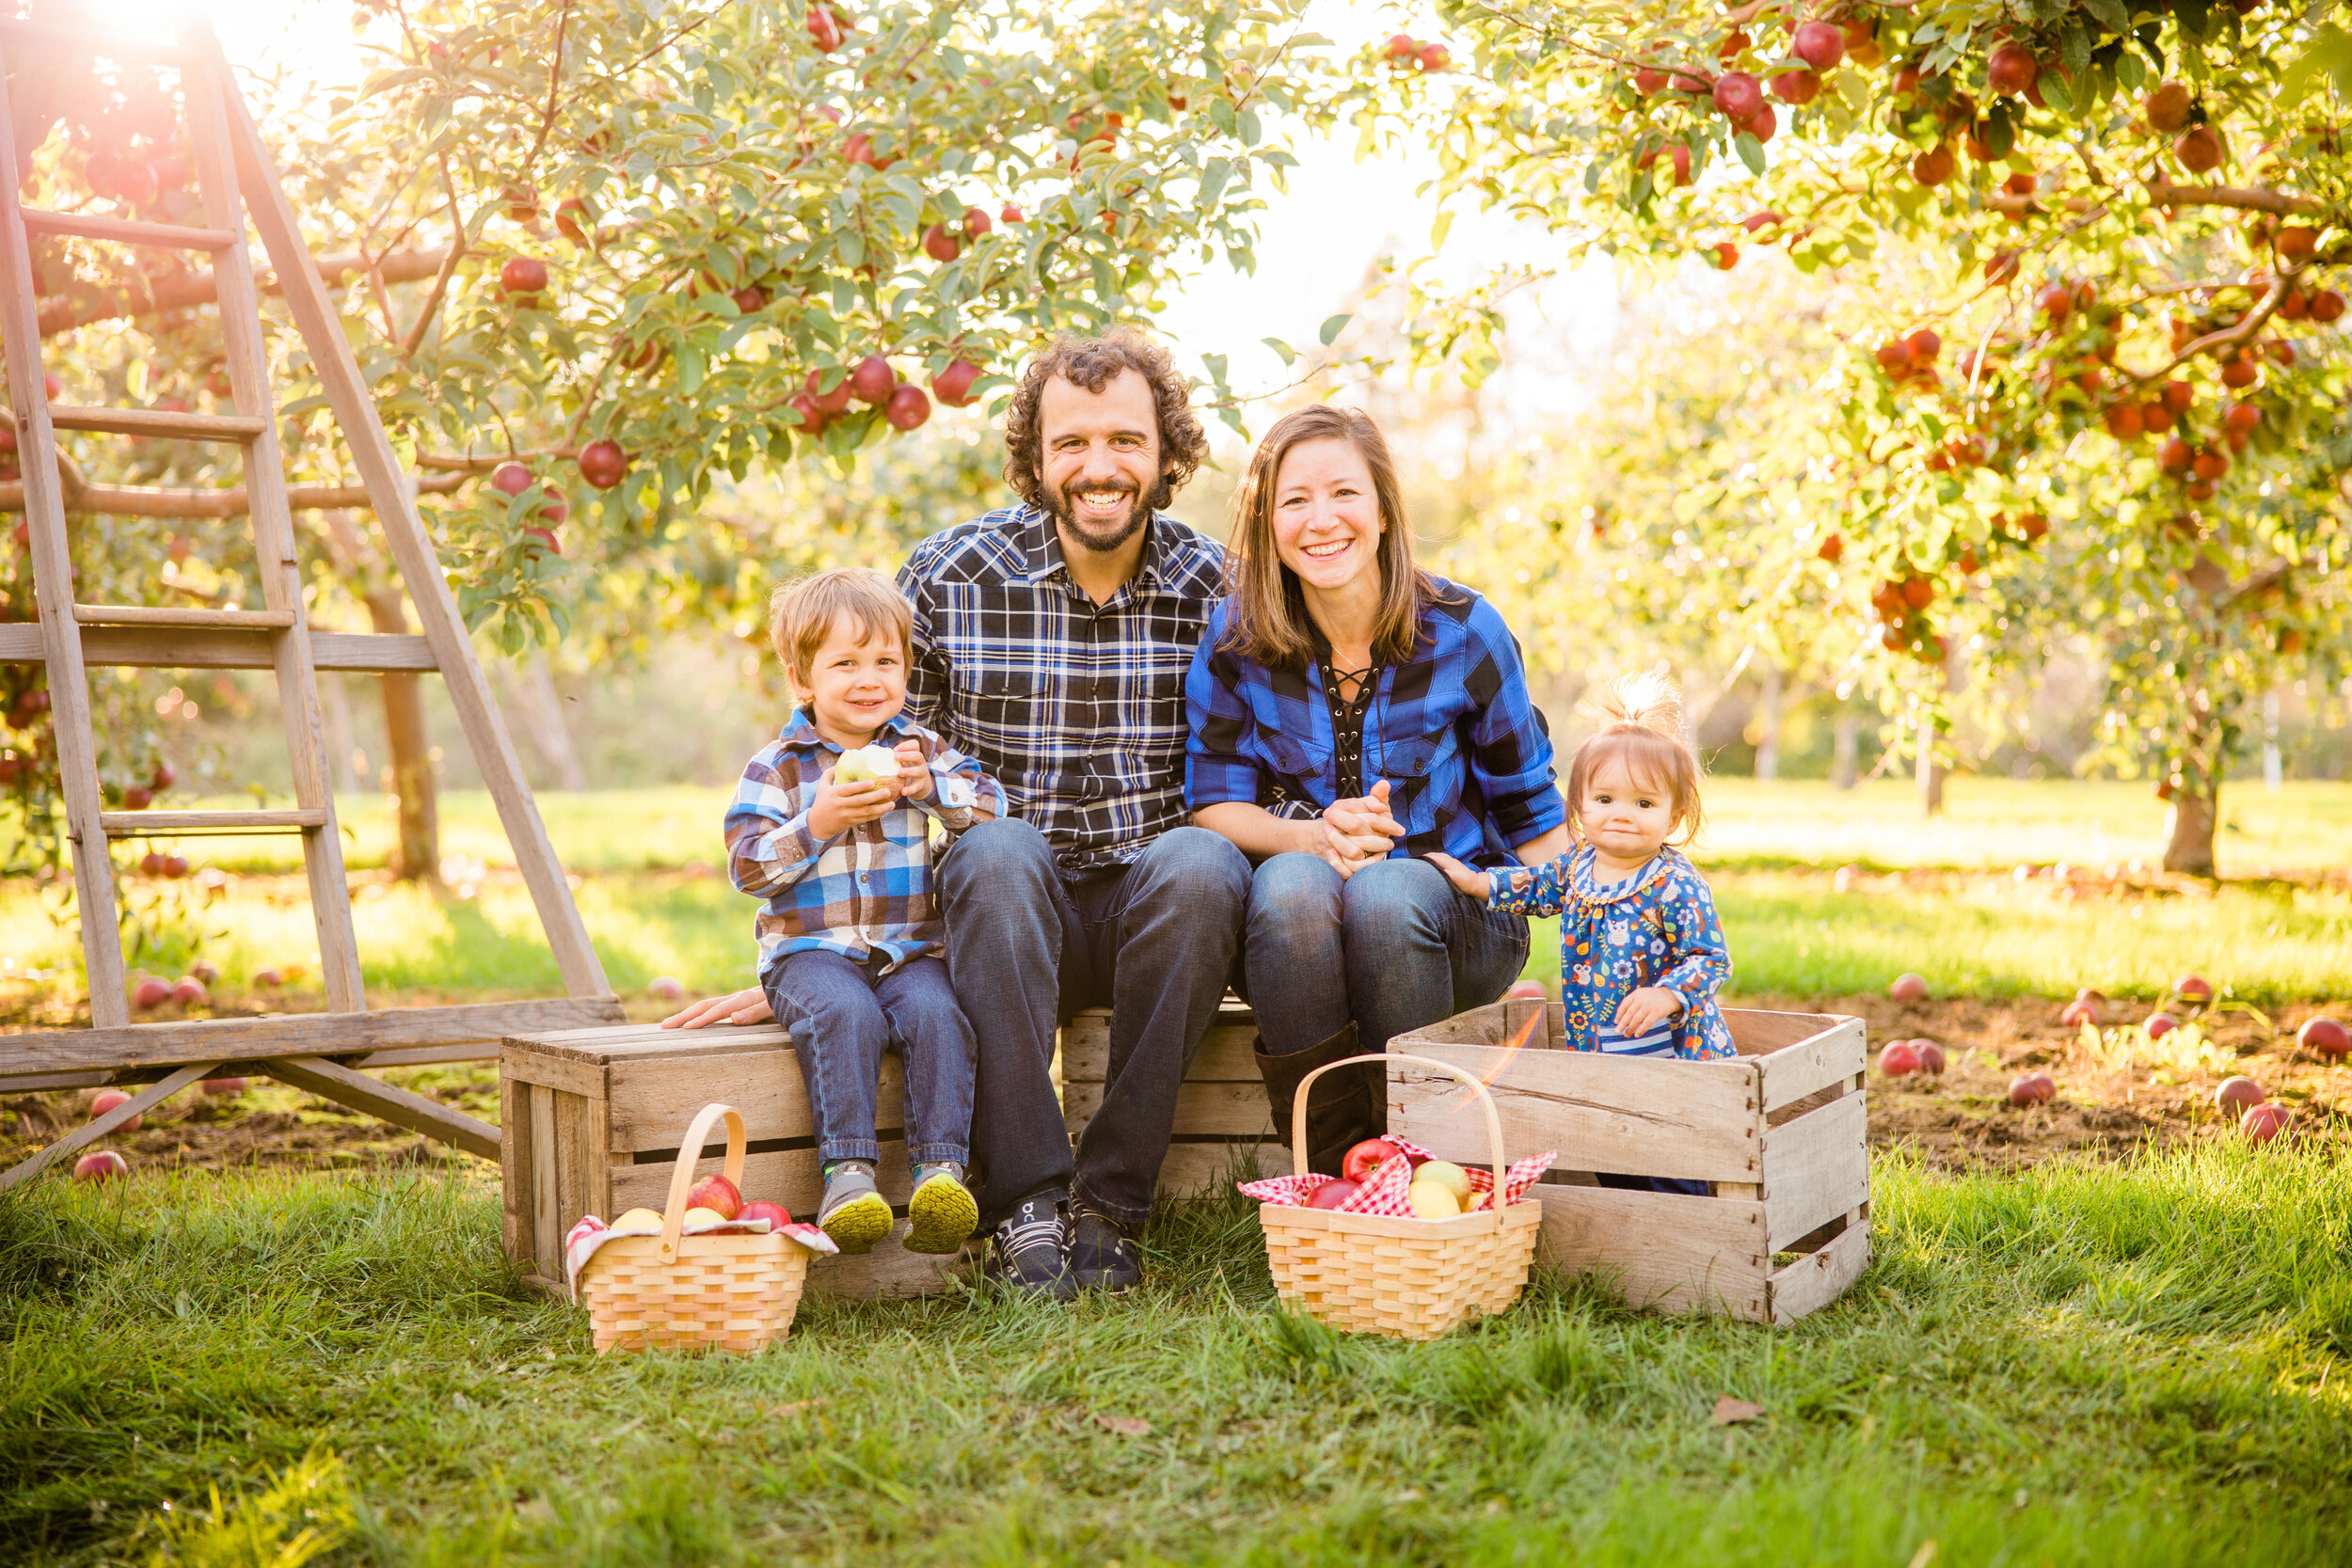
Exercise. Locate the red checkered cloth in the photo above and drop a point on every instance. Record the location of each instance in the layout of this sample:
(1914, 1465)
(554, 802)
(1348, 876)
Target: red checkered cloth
(1384, 1192)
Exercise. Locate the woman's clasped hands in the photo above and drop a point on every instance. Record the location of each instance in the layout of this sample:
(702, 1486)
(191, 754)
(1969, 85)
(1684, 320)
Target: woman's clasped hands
(1358, 831)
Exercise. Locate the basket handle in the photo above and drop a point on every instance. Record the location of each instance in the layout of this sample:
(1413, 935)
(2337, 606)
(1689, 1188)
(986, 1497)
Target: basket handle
(1486, 1104)
(688, 1155)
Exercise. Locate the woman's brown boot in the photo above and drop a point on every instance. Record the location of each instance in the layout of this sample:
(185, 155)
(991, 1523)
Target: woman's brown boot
(1344, 1107)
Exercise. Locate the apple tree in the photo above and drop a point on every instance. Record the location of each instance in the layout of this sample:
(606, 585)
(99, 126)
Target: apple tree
(2088, 372)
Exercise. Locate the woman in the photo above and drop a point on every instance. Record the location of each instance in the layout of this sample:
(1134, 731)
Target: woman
(1351, 713)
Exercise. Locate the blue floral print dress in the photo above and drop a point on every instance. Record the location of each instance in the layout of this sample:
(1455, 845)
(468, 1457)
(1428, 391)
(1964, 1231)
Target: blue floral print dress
(1656, 928)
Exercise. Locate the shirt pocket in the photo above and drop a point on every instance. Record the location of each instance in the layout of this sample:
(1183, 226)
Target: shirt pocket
(1301, 769)
(1001, 704)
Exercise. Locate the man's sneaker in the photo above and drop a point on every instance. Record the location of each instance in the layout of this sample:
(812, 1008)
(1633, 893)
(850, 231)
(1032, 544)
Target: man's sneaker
(941, 1214)
(1024, 1252)
(1101, 1256)
(854, 1213)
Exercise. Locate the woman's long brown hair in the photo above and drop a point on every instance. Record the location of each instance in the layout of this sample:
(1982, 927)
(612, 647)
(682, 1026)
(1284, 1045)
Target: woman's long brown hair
(1267, 613)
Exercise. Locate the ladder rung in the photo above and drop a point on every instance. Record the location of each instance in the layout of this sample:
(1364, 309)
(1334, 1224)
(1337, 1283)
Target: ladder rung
(90, 225)
(85, 40)
(152, 615)
(155, 421)
(149, 824)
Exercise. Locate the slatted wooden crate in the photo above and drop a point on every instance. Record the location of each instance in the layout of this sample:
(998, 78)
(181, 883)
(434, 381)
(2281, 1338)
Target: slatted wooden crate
(591, 1120)
(1780, 1132)
(1221, 1114)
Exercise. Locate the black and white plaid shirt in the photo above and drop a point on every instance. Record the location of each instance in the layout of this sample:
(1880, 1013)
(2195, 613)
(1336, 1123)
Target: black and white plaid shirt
(1076, 709)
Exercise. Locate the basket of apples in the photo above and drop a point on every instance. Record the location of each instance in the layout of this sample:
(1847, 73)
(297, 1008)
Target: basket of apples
(709, 1272)
(1399, 1243)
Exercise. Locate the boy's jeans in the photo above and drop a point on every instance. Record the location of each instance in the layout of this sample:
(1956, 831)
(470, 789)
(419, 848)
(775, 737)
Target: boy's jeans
(843, 1015)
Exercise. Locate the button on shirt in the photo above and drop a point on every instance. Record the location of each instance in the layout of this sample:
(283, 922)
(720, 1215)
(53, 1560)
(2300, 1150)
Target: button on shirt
(867, 889)
(1077, 709)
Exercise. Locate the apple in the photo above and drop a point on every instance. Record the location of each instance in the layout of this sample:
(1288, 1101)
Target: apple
(137, 798)
(1530, 991)
(2175, 456)
(824, 28)
(523, 275)
(2031, 1088)
(1795, 88)
(1008, 213)
(2261, 1123)
(1898, 1059)
(1331, 1193)
(603, 463)
(2082, 1010)
(873, 380)
(747, 299)
(2237, 1091)
(269, 978)
(953, 386)
(829, 403)
(718, 1194)
(106, 1100)
(51, 385)
(664, 988)
(2156, 1025)
(638, 1222)
(2010, 70)
(151, 992)
(1367, 1157)
(190, 992)
(1737, 96)
(225, 1085)
(1430, 1200)
(2243, 418)
(1819, 45)
(510, 479)
(907, 408)
(1403, 47)
(813, 418)
(2297, 244)
(1433, 58)
(204, 970)
(2323, 1037)
(2193, 987)
(939, 245)
(571, 219)
(860, 763)
(2199, 150)
(1830, 549)
(1933, 167)
(1908, 986)
(775, 1214)
(2167, 108)
(165, 777)
(700, 1215)
(1446, 1174)
(1932, 1057)
(975, 218)
(2327, 305)
(101, 1165)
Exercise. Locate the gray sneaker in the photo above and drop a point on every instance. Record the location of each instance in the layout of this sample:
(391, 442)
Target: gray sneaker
(941, 1214)
(854, 1213)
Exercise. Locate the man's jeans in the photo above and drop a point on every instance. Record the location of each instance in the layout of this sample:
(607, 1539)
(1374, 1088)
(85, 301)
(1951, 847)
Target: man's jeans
(1026, 947)
(843, 1015)
(1409, 948)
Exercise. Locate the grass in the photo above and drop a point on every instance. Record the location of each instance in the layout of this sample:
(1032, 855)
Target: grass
(2082, 1365)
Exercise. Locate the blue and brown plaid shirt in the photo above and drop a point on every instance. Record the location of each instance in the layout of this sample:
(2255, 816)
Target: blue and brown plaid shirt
(867, 888)
(1078, 710)
(1466, 754)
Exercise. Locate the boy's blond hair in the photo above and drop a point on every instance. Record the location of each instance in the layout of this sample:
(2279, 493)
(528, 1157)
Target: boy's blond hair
(1640, 727)
(801, 615)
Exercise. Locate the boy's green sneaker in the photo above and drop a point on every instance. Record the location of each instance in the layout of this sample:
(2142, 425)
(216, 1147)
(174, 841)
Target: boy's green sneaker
(854, 1213)
(941, 1215)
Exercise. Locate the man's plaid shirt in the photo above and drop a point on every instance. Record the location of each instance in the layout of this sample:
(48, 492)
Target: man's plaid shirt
(1077, 710)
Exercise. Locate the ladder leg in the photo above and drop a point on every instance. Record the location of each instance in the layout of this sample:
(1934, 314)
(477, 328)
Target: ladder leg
(205, 85)
(52, 582)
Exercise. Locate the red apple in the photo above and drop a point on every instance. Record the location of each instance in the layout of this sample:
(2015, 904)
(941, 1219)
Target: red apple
(204, 971)
(165, 777)
(1933, 167)
(510, 479)
(1737, 96)
(775, 1214)
(1531, 990)
(603, 463)
(1009, 213)
(2010, 70)
(151, 992)
(2079, 1012)
(829, 404)
(2199, 150)
(225, 1085)
(1798, 88)
(106, 1100)
(2156, 1025)
(523, 275)
(1366, 1157)
(174, 865)
(1819, 45)
(2261, 1123)
(2323, 1037)
(1930, 1056)
(101, 1165)
(664, 988)
(1334, 1192)
(1907, 987)
(1898, 1059)
(547, 543)
(2326, 304)
(2237, 1091)
(189, 992)
(907, 408)
(824, 28)
(939, 245)
(2031, 1088)
(1830, 549)
(873, 380)
(747, 299)
(552, 507)
(269, 978)
(137, 798)
(2193, 987)
(1433, 57)
(1403, 47)
(716, 1194)
(953, 386)
(571, 219)
(2167, 108)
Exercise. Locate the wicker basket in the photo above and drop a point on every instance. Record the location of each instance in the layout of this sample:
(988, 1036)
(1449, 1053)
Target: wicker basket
(1409, 1278)
(731, 1291)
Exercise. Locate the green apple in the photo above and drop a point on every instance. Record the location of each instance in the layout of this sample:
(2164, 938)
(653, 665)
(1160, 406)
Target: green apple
(1432, 1200)
(860, 763)
(1446, 1174)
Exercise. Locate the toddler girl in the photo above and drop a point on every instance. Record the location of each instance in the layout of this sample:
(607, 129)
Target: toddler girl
(1640, 951)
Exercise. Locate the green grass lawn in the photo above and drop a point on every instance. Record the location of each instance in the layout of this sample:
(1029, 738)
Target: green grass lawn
(2082, 1365)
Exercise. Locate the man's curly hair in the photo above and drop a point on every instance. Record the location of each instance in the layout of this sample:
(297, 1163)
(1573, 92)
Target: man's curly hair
(1093, 363)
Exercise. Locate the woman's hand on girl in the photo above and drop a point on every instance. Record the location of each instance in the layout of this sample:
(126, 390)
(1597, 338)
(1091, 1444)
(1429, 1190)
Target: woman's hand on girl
(1645, 1009)
(1467, 881)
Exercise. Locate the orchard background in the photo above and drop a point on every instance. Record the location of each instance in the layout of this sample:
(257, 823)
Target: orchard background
(1951, 395)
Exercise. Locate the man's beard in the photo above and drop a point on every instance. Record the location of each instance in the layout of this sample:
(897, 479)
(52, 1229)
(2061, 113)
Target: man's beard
(1101, 538)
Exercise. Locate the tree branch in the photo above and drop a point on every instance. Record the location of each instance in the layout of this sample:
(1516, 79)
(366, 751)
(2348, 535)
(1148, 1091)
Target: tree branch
(64, 312)
(2164, 193)
(124, 500)
(449, 265)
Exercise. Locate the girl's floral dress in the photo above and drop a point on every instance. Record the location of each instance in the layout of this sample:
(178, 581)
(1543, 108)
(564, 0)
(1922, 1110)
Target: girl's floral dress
(1656, 928)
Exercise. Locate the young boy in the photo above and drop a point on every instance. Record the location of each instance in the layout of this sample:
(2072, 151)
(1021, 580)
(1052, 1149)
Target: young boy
(849, 942)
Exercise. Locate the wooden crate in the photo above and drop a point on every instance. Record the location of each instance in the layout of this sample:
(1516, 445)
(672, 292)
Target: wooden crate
(1221, 1116)
(1780, 1132)
(591, 1120)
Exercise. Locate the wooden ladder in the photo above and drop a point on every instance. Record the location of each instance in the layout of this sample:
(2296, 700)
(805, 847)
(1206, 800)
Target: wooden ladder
(322, 1052)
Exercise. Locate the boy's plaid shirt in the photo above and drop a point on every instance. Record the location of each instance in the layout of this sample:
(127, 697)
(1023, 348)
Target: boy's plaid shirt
(867, 888)
(1077, 708)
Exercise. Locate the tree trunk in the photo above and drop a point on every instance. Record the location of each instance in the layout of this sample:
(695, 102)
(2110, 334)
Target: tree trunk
(415, 797)
(335, 715)
(1929, 776)
(2188, 833)
(1768, 728)
(1845, 748)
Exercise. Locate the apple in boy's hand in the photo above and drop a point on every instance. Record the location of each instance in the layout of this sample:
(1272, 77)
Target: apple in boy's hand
(717, 1195)
(1432, 1200)
(1531, 990)
(1367, 1157)
(1334, 1192)
(1446, 1174)
(772, 1213)
(860, 763)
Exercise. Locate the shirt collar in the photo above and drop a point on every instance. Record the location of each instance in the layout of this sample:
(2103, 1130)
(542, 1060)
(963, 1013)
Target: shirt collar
(1656, 869)
(1042, 552)
(800, 731)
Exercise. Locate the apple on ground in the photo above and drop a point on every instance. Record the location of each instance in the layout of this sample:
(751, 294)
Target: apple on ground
(1930, 1056)
(190, 992)
(2237, 1091)
(269, 978)
(1909, 988)
(151, 992)
(717, 1194)
(1432, 1200)
(1333, 1193)
(101, 1165)
(1367, 1157)
(2193, 987)
(2158, 1025)
(106, 1100)
(2084, 1009)
(1898, 1059)
(775, 1214)
(2261, 1123)
(2032, 1089)
(225, 1085)
(204, 970)
(665, 987)
(2323, 1037)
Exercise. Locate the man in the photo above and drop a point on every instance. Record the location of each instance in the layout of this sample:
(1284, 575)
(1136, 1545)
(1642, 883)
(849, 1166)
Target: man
(1051, 643)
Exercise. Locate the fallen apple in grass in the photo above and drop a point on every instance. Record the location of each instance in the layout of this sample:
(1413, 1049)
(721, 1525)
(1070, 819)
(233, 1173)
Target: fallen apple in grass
(1367, 1157)
(2237, 1091)
(1898, 1059)
(664, 987)
(1909, 988)
(2261, 1123)
(2323, 1037)
(1334, 1192)
(189, 992)
(2156, 1025)
(717, 1194)
(226, 1086)
(2193, 988)
(106, 1100)
(1930, 1056)
(101, 1165)
(775, 1214)
(151, 992)
(2032, 1089)
(269, 978)
(2085, 1008)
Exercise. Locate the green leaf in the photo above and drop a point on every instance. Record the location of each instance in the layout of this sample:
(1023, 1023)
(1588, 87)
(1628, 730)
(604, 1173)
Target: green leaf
(1213, 177)
(1333, 327)
(2074, 46)
(2059, 96)
(1751, 151)
(1289, 357)
(2112, 14)
(2330, 52)
(1437, 230)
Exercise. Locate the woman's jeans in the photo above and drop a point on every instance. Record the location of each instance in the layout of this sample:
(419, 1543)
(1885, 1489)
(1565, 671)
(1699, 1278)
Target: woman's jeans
(843, 1015)
(1393, 947)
